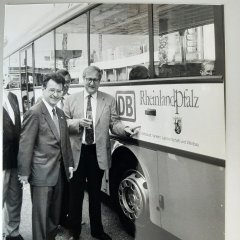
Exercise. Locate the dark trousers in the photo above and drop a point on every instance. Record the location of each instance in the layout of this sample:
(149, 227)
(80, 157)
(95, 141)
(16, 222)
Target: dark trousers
(89, 170)
(12, 201)
(46, 202)
(65, 200)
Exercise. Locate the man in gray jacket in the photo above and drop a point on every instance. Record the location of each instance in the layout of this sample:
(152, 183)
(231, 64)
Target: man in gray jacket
(90, 114)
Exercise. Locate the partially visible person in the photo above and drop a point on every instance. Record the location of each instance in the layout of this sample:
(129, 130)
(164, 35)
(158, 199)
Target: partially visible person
(90, 115)
(65, 94)
(25, 103)
(67, 77)
(65, 200)
(207, 68)
(44, 157)
(12, 188)
(139, 72)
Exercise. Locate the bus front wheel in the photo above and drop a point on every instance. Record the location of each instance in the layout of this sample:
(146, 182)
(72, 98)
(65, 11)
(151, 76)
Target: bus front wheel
(132, 197)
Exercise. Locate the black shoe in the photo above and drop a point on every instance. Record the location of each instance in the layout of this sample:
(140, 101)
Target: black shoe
(60, 230)
(73, 238)
(102, 236)
(19, 237)
(73, 235)
(52, 235)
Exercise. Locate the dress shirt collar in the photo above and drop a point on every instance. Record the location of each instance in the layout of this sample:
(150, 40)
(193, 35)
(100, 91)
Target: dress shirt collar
(49, 107)
(94, 96)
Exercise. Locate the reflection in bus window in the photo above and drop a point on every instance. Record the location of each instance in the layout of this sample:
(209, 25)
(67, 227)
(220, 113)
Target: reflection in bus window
(180, 44)
(118, 39)
(207, 68)
(71, 47)
(13, 77)
(6, 72)
(44, 57)
(26, 72)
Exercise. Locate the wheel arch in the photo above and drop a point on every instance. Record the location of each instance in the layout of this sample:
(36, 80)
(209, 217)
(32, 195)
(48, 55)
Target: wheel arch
(128, 187)
(129, 156)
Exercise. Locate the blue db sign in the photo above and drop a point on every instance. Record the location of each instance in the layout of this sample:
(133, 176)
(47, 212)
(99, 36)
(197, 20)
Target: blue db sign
(126, 105)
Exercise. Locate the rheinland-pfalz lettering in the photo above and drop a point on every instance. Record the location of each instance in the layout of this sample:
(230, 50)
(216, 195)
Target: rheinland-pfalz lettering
(177, 99)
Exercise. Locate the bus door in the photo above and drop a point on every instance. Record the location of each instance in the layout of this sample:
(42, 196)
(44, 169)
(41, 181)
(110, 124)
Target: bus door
(26, 76)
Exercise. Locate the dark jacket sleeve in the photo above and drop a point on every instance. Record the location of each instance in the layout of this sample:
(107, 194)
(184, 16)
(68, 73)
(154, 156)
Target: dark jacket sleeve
(28, 137)
(11, 134)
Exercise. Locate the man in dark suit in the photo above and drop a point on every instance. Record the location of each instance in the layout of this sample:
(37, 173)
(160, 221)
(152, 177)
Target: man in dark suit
(90, 114)
(60, 104)
(45, 156)
(12, 188)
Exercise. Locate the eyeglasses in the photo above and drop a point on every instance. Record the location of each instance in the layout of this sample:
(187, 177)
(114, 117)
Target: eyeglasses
(53, 91)
(94, 80)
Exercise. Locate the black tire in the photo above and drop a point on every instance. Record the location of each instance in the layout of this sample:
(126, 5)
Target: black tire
(129, 193)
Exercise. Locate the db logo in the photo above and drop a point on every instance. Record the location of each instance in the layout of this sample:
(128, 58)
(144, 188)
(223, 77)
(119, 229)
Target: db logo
(126, 105)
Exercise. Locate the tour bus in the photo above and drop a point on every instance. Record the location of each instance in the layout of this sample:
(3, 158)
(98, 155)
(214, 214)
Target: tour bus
(172, 173)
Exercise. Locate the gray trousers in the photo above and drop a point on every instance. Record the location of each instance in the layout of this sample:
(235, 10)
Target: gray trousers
(12, 202)
(46, 206)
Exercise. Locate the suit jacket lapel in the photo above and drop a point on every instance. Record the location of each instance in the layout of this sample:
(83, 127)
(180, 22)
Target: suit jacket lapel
(100, 106)
(8, 120)
(50, 121)
(78, 106)
(12, 103)
(16, 111)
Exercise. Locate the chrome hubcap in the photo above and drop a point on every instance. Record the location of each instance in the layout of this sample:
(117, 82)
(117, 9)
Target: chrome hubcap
(133, 195)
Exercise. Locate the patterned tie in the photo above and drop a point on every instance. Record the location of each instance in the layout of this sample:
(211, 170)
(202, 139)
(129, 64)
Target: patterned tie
(55, 120)
(89, 137)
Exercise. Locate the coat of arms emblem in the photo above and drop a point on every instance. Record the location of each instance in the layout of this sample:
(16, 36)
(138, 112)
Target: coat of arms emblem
(178, 125)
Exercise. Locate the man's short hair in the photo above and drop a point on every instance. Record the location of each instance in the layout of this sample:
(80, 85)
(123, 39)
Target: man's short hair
(207, 63)
(56, 77)
(139, 72)
(63, 72)
(207, 68)
(92, 68)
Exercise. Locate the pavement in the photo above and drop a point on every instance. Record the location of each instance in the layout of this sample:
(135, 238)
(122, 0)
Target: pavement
(111, 223)
(110, 220)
